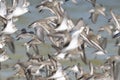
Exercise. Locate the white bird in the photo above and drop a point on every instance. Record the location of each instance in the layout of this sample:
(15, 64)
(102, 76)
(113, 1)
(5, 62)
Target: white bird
(74, 43)
(2, 44)
(66, 24)
(98, 9)
(35, 70)
(59, 74)
(62, 56)
(3, 9)
(3, 57)
(116, 23)
(19, 8)
(10, 28)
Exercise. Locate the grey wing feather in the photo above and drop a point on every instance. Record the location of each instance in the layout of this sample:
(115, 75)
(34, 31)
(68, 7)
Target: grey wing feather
(40, 33)
(94, 17)
(3, 7)
(20, 3)
(104, 43)
(11, 46)
(119, 50)
(80, 23)
(35, 48)
(14, 3)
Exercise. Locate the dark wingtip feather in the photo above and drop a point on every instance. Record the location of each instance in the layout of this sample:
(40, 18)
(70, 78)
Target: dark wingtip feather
(11, 46)
(116, 35)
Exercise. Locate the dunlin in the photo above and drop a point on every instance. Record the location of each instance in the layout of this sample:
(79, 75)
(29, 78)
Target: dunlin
(25, 35)
(9, 42)
(19, 8)
(3, 57)
(98, 9)
(10, 28)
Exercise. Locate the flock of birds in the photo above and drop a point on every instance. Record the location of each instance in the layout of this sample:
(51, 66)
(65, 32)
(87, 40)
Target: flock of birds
(65, 37)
